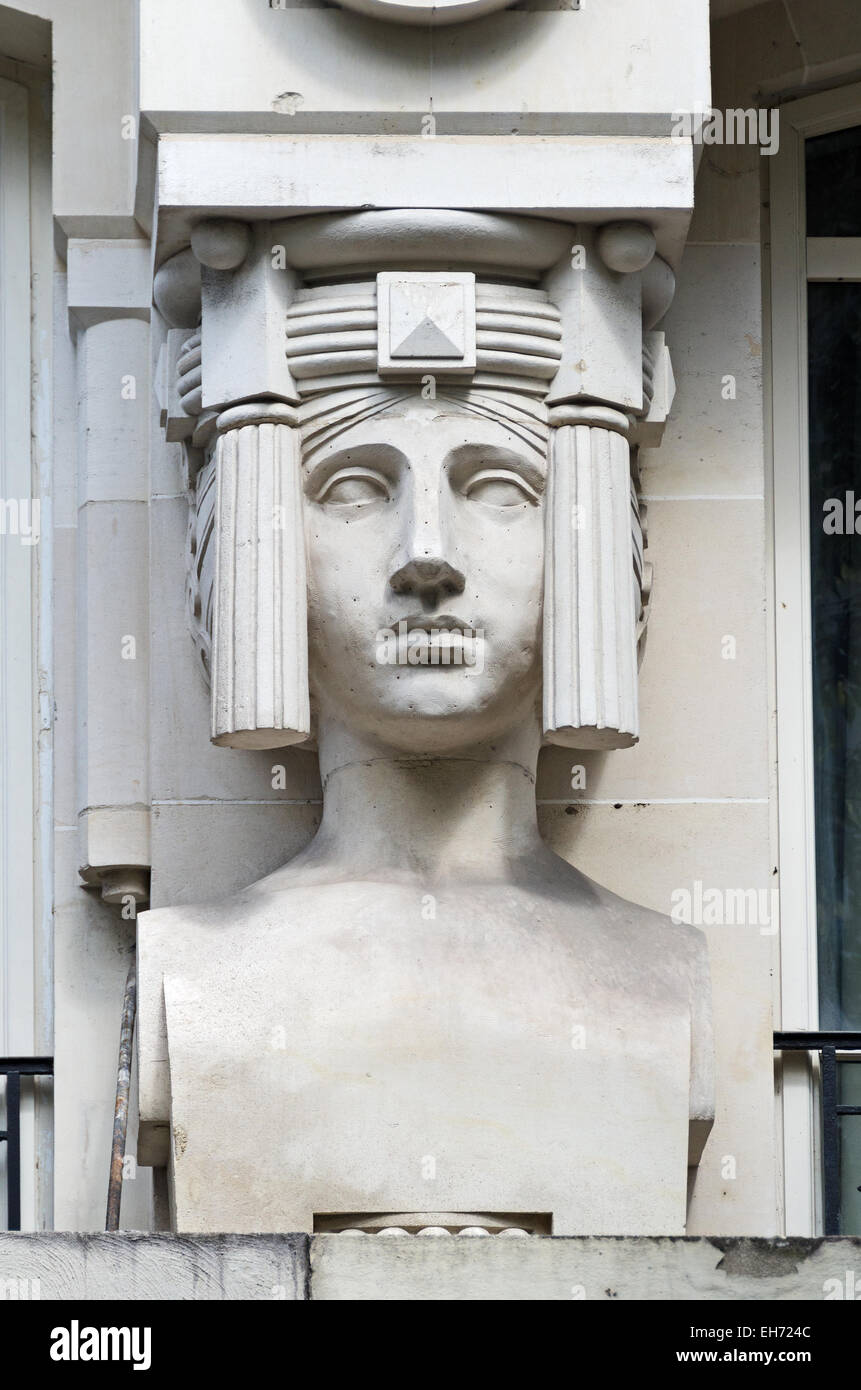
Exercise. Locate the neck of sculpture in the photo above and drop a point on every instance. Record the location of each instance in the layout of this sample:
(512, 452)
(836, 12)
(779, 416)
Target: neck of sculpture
(435, 818)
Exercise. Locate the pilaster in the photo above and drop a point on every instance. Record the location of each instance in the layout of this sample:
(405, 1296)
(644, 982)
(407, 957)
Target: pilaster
(109, 298)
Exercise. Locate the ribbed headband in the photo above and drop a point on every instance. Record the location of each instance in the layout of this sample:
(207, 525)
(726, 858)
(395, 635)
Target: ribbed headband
(332, 351)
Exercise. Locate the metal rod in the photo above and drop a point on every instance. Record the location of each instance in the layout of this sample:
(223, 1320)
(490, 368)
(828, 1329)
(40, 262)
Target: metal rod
(13, 1154)
(814, 1042)
(830, 1142)
(121, 1108)
(836, 1049)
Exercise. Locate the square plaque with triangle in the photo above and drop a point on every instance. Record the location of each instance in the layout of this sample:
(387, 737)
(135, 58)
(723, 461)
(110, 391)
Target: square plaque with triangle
(425, 323)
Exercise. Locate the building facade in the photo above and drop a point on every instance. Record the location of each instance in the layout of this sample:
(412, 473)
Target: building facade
(731, 134)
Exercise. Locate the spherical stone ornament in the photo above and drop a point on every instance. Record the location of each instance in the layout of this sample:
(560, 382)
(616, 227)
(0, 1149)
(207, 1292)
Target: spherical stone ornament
(426, 11)
(626, 246)
(659, 286)
(176, 290)
(222, 243)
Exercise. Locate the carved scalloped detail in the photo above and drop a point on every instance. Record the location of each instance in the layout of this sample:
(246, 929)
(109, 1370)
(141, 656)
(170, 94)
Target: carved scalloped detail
(643, 570)
(200, 566)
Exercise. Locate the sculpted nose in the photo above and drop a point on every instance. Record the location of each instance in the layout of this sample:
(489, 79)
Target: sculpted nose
(428, 579)
(421, 572)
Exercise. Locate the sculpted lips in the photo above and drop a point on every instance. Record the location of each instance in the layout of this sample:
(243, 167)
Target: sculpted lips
(422, 639)
(440, 623)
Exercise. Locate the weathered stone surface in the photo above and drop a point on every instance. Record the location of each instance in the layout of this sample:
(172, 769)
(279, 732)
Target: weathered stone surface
(539, 1269)
(336, 1268)
(140, 1267)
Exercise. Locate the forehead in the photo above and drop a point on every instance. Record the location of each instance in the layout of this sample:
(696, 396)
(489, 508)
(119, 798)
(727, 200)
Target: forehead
(424, 429)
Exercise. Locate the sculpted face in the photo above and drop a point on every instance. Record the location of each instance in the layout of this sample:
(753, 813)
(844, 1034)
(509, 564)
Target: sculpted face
(425, 534)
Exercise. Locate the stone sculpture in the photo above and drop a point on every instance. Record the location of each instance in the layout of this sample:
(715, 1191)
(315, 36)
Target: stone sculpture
(418, 544)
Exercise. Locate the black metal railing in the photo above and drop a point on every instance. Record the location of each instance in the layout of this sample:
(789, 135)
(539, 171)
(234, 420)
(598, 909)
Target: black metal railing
(829, 1046)
(13, 1068)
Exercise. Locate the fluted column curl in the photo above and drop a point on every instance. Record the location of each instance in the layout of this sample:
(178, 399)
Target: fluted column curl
(259, 639)
(592, 587)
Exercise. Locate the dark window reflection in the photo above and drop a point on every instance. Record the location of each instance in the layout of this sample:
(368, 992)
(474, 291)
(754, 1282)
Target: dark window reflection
(833, 172)
(835, 483)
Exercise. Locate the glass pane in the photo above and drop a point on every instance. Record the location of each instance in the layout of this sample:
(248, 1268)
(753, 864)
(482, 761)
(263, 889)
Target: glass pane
(835, 552)
(833, 165)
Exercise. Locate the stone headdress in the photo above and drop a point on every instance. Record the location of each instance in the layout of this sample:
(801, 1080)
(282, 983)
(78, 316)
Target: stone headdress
(540, 325)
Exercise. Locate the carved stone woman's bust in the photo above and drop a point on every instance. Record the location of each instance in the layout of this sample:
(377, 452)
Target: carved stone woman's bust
(427, 1017)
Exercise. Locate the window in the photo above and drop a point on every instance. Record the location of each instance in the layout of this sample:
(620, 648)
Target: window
(25, 860)
(16, 574)
(816, 450)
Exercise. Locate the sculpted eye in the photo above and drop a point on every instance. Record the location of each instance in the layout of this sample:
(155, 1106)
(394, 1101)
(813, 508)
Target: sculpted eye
(498, 487)
(353, 487)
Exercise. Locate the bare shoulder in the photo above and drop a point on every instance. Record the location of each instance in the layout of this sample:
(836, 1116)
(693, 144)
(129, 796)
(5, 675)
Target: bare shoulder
(641, 936)
(188, 927)
(680, 945)
(179, 931)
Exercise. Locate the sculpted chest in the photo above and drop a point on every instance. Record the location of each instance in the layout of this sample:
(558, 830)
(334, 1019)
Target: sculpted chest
(467, 1063)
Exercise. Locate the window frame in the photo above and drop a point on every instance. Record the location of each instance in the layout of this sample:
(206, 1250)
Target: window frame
(27, 255)
(790, 259)
(18, 893)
